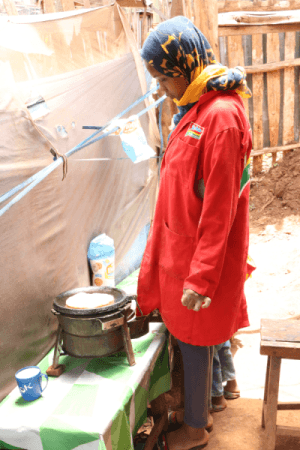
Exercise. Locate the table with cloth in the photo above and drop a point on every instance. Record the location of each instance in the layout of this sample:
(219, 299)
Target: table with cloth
(96, 404)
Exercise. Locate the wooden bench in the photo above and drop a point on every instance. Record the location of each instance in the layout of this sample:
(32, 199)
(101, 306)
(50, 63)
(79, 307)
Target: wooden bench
(280, 339)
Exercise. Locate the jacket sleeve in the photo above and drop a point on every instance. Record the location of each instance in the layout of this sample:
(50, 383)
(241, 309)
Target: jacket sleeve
(222, 170)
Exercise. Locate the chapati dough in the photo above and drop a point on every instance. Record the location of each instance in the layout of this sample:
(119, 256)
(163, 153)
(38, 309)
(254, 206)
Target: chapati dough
(89, 301)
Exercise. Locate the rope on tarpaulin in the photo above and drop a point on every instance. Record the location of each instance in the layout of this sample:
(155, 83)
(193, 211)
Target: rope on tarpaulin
(17, 188)
(160, 156)
(31, 182)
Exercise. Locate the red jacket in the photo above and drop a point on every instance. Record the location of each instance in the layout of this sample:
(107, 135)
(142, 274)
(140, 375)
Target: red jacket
(201, 244)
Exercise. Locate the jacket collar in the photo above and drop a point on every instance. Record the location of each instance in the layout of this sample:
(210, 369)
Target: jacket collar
(190, 115)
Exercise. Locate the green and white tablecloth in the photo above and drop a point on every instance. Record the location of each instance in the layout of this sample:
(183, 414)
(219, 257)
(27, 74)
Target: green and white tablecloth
(97, 404)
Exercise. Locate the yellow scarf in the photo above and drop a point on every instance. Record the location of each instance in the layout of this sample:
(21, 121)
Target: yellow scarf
(199, 85)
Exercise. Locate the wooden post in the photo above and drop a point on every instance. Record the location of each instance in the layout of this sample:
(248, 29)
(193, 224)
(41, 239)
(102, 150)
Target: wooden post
(263, 424)
(289, 91)
(188, 9)
(178, 8)
(236, 58)
(206, 19)
(273, 83)
(138, 29)
(271, 403)
(168, 111)
(144, 30)
(258, 88)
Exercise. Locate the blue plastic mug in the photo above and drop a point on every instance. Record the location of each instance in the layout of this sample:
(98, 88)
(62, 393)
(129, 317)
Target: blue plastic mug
(29, 380)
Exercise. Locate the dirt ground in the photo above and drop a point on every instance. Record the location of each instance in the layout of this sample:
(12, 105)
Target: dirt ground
(273, 292)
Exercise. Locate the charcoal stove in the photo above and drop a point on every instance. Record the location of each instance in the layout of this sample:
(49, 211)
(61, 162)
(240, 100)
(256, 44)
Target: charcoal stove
(96, 332)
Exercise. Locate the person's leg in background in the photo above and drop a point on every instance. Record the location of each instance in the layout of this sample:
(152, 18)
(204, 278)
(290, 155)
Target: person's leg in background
(218, 402)
(231, 390)
(223, 370)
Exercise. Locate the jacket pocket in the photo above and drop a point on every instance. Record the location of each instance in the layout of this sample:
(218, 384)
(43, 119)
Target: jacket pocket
(176, 253)
(182, 161)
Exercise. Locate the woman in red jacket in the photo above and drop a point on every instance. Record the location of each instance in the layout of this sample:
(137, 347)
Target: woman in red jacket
(194, 266)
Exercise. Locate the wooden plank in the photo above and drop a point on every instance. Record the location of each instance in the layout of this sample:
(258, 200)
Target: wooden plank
(256, 5)
(144, 31)
(235, 30)
(10, 7)
(271, 403)
(236, 58)
(287, 350)
(257, 88)
(131, 3)
(280, 330)
(260, 68)
(235, 51)
(289, 91)
(263, 18)
(178, 8)
(283, 406)
(132, 21)
(188, 9)
(138, 28)
(273, 86)
(263, 423)
(141, 74)
(288, 431)
(163, 7)
(206, 19)
(264, 407)
(158, 13)
(275, 149)
(168, 9)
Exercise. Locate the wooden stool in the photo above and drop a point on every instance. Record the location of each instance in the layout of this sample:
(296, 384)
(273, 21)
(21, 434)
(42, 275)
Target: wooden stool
(279, 339)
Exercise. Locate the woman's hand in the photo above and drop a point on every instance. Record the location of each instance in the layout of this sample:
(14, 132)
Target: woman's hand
(194, 301)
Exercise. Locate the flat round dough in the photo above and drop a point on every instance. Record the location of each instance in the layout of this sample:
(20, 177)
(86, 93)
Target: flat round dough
(89, 301)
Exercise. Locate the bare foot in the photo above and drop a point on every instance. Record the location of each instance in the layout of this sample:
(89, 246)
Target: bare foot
(232, 386)
(186, 438)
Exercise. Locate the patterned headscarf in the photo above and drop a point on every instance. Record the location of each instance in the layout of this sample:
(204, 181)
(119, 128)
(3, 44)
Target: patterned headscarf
(177, 48)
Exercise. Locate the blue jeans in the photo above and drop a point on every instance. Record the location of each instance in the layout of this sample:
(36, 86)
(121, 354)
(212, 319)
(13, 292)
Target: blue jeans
(223, 368)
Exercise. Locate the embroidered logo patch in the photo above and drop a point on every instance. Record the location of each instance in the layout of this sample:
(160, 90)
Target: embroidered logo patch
(195, 131)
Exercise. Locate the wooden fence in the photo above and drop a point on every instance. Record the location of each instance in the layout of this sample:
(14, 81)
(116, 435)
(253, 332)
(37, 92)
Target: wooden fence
(270, 54)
